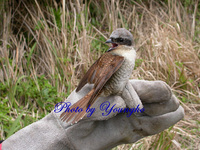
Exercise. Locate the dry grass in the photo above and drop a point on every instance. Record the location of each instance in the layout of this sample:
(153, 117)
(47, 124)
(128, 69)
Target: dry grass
(61, 40)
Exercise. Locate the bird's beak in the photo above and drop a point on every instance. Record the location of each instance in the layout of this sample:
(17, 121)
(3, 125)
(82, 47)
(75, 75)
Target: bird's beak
(109, 41)
(114, 45)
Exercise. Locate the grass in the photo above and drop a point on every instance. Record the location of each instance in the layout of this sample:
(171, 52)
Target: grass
(46, 47)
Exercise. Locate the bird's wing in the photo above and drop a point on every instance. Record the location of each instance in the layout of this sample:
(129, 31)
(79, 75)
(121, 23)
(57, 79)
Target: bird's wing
(100, 72)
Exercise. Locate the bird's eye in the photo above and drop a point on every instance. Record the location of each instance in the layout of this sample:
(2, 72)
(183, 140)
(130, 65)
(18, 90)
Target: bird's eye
(120, 40)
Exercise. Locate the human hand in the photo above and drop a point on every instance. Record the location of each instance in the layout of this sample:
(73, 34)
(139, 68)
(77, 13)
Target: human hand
(161, 110)
(97, 132)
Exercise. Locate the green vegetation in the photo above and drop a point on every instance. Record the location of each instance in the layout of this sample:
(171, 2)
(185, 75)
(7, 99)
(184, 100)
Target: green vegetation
(46, 47)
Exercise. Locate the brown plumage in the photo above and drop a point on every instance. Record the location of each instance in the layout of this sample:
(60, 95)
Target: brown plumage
(109, 73)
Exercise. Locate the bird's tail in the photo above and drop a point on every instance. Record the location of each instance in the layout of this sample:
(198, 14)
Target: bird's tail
(76, 116)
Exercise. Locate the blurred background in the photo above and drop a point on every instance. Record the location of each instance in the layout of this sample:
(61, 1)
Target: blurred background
(47, 46)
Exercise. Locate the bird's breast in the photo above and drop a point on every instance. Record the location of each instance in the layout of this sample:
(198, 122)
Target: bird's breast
(117, 82)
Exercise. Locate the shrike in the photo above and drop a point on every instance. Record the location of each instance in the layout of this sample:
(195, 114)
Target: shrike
(109, 74)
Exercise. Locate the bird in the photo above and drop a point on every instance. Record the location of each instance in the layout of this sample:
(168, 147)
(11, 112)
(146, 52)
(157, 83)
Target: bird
(109, 74)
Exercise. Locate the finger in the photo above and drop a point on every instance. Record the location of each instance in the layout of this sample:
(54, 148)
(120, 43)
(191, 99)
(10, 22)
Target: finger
(155, 109)
(153, 125)
(121, 129)
(152, 91)
(130, 97)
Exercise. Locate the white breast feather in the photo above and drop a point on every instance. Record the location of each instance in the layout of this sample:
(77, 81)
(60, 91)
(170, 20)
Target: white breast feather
(130, 55)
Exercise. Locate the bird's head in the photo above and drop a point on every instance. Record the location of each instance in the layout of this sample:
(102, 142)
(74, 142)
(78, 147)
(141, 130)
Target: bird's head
(120, 36)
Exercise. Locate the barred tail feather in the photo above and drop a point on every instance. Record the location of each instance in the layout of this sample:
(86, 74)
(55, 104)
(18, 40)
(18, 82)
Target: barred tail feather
(75, 116)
